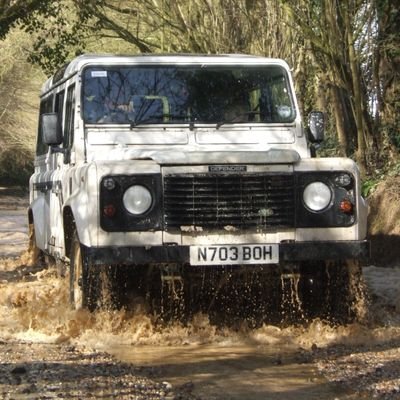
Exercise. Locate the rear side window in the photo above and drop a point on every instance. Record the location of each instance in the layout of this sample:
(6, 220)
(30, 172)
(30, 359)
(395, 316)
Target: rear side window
(59, 104)
(69, 118)
(46, 106)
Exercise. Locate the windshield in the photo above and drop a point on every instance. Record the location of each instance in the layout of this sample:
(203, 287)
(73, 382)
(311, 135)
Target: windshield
(181, 95)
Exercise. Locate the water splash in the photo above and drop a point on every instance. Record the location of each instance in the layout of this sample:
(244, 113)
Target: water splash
(34, 307)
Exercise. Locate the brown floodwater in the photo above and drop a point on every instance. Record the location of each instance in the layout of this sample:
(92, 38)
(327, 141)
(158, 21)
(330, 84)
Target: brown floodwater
(268, 362)
(240, 371)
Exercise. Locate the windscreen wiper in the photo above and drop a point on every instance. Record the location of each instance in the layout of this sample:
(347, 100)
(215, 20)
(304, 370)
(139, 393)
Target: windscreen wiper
(147, 121)
(165, 118)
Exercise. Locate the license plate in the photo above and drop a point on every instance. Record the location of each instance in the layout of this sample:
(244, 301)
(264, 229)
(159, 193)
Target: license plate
(234, 254)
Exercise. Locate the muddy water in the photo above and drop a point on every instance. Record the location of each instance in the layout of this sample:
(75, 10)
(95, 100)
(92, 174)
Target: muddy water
(214, 363)
(13, 234)
(242, 371)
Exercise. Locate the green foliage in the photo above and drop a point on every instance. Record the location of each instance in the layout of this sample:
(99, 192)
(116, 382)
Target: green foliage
(314, 37)
(58, 32)
(19, 88)
(12, 12)
(16, 166)
(329, 147)
(369, 186)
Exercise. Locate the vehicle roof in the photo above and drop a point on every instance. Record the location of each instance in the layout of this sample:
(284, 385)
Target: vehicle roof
(79, 62)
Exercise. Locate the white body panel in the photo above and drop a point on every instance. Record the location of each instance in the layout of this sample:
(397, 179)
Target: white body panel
(103, 150)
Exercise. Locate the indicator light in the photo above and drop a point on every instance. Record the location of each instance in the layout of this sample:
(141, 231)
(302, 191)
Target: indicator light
(346, 206)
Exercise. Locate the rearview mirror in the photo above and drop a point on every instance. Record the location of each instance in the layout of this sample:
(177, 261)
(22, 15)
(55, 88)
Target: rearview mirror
(316, 125)
(51, 129)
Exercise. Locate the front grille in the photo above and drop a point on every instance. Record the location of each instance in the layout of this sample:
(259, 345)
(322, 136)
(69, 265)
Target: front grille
(229, 201)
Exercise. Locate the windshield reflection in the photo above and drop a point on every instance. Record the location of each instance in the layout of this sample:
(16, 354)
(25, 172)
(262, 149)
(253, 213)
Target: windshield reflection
(181, 95)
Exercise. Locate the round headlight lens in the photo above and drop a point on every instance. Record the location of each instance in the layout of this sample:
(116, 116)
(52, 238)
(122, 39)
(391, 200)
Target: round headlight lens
(317, 196)
(137, 199)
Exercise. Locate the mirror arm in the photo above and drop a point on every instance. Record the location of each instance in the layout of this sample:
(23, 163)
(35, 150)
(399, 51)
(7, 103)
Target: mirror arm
(57, 149)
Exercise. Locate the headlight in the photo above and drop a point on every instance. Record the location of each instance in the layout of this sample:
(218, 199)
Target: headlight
(317, 196)
(137, 199)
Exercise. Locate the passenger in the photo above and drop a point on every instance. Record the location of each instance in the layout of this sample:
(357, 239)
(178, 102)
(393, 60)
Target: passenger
(237, 111)
(114, 112)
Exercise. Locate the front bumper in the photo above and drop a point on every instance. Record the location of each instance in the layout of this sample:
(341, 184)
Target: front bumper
(288, 252)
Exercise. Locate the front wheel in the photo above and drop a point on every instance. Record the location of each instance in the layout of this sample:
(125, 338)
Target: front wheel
(35, 255)
(91, 286)
(347, 294)
(333, 290)
(83, 282)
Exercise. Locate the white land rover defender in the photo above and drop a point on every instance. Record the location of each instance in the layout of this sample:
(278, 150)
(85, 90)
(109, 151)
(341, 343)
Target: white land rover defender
(193, 173)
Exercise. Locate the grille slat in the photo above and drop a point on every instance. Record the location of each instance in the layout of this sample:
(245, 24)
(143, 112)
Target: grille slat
(216, 201)
(231, 199)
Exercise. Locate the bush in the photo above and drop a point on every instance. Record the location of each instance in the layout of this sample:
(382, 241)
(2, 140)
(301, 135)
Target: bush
(16, 166)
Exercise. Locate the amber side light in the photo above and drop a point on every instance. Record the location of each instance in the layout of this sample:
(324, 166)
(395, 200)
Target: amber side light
(346, 206)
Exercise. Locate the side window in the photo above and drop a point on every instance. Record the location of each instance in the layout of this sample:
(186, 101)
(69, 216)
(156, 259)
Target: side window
(283, 108)
(59, 104)
(69, 118)
(46, 106)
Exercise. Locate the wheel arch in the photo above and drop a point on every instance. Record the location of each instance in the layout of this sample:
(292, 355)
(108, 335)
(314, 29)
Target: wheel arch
(30, 216)
(37, 221)
(69, 229)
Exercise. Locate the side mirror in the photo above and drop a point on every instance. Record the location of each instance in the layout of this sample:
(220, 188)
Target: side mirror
(51, 129)
(316, 125)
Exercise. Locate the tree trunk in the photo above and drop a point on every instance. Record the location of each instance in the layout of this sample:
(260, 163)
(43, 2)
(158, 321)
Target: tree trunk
(341, 130)
(357, 98)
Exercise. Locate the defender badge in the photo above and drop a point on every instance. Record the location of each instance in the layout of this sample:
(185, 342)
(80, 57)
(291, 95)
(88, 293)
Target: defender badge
(227, 168)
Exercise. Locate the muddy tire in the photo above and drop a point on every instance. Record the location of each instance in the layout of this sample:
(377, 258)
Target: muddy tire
(332, 290)
(84, 284)
(313, 290)
(346, 291)
(36, 256)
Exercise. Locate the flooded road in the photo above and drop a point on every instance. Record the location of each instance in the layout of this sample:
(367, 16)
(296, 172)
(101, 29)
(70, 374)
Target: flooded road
(13, 232)
(193, 361)
(234, 372)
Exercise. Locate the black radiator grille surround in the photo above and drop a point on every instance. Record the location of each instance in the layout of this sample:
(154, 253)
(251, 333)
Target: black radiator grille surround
(244, 201)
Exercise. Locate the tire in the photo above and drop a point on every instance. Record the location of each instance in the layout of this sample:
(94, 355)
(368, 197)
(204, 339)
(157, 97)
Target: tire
(332, 290)
(84, 283)
(313, 290)
(36, 256)
(92, 286)
(347, 297)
